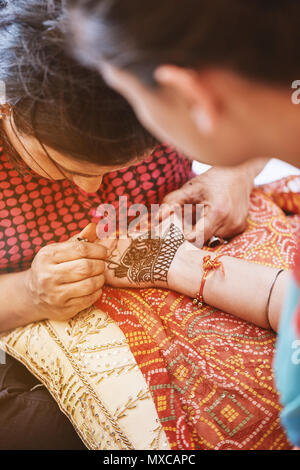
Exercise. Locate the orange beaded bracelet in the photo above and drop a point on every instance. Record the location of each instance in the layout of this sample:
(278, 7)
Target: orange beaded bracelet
(209, 265)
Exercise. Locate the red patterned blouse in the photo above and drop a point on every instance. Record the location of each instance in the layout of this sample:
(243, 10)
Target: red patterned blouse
(35, 211)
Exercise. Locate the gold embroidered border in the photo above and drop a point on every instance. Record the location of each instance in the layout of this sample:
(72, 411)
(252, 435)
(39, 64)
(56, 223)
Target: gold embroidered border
(91, 391)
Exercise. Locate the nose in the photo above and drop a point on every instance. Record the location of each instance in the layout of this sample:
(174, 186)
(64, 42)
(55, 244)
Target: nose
(89, 185)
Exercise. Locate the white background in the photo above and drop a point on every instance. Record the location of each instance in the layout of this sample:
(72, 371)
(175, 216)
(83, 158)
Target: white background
(274, 170)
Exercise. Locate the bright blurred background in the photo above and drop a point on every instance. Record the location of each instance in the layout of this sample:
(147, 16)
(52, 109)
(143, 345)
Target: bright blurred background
(274, 170)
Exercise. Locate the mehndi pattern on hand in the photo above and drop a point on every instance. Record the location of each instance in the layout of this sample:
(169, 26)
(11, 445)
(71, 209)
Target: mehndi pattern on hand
(148, 259)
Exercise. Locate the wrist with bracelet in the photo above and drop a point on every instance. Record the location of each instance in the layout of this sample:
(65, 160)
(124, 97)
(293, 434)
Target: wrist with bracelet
(209, 265)
(212, 265)
(270, 295)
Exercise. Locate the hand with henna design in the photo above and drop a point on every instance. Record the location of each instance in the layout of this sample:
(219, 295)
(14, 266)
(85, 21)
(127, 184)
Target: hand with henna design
(169, 261)
(143, 261)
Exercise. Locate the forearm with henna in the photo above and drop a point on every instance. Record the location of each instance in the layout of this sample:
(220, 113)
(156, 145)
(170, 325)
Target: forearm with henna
(175, 263)
(147, 259)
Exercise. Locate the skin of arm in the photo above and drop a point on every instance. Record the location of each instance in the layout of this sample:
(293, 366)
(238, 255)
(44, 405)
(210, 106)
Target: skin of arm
(15, 309)
(243, 290)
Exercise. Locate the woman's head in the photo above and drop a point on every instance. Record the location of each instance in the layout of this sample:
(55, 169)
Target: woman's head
(208, 76)
(61, 118)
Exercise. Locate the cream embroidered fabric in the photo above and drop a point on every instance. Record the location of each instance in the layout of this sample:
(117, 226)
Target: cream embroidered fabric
(87, 366)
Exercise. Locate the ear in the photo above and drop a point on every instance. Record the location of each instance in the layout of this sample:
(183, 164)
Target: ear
(197, 91)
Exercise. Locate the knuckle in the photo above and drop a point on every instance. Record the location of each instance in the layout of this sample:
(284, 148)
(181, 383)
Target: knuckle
(56, 296)
(88, 286)
(96, 295)
(59, 299)
(52, 252)
(86, 267)
(87, 301)
(102, 251)
(82, 248)
(101, 280)
(94, 284)
(101, 266)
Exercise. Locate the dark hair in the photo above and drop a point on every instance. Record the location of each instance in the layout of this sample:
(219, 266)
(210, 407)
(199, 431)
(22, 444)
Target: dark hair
(255, 38)
(62, 103)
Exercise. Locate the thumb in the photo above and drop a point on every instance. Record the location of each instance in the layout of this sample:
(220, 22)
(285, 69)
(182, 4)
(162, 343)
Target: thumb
(204, 228)
(209, 223)
(89, 233)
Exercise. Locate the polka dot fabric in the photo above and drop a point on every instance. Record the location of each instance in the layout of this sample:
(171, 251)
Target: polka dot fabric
(35, 211)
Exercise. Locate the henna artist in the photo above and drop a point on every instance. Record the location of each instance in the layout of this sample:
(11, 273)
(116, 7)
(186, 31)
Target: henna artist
(219, 80)
(65, 131)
